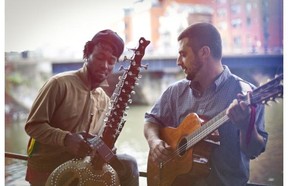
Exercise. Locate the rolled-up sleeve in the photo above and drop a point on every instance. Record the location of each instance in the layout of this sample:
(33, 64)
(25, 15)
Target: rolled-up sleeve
(160, 112)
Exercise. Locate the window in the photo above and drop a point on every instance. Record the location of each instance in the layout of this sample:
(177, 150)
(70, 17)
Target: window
(235, 9)
(237, 41)
(236, 23)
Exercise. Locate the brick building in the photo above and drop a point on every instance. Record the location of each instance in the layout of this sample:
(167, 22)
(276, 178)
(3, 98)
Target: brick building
(246, 26)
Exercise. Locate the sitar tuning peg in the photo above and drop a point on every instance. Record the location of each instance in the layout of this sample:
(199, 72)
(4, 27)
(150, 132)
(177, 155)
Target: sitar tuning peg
(125, 58)
(132, 49)
(129, 101)
(122, 68)
(145, 66)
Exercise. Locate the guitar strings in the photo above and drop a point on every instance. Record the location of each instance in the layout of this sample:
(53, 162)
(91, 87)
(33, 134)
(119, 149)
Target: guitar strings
(206, 129)
(198, 135)
(193, 140)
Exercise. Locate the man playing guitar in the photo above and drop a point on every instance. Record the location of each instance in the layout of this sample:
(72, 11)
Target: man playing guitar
(209, 89)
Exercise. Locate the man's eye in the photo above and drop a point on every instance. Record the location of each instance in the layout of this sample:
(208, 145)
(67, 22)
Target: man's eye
(112, 61)
(100, 58)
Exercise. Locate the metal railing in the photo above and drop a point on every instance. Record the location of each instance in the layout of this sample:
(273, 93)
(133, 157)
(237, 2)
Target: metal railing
(25, 158)
(142, 174)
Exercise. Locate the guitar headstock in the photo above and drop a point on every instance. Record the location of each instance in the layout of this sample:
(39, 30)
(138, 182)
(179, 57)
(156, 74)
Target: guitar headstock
(270, 91)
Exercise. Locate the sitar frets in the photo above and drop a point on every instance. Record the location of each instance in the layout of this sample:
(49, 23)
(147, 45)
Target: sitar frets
(118, 107)
(114, 121)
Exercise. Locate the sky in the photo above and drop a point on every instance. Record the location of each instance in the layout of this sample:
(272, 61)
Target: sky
(30, 24)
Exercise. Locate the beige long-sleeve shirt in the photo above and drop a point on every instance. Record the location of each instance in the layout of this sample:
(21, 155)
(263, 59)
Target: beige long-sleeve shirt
(63, 105)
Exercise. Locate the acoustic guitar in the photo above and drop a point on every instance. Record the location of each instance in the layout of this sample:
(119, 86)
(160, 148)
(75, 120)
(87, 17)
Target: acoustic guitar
(191, 148)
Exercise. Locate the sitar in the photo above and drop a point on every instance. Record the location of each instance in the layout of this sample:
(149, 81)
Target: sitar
(101, 165)
(189, 140)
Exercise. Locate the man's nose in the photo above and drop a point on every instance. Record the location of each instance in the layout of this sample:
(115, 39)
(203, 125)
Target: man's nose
(104, 64)
(179, 61)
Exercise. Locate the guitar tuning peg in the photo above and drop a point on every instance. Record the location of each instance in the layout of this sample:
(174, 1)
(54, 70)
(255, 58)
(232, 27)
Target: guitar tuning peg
(267, 104)
(133, 92)
(275, 100)
(139, 76)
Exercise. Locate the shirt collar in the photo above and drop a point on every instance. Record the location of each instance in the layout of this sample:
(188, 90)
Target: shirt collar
(222, 77)
(216, 84)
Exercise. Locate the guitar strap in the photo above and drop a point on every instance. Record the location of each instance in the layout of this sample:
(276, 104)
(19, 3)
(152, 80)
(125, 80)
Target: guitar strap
(247, 87)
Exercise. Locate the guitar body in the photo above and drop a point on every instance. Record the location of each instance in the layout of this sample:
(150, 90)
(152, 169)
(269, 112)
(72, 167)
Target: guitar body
(192, 161)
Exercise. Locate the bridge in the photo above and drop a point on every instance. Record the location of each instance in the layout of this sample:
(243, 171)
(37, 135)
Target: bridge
(163, 71)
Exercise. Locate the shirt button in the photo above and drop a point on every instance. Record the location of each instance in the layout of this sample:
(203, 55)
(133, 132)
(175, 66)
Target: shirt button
(201, 111)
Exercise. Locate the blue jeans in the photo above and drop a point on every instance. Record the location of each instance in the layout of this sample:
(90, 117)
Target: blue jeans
(129, 176)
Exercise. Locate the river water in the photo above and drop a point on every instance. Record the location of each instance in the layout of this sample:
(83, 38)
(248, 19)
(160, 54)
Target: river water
(266, 169)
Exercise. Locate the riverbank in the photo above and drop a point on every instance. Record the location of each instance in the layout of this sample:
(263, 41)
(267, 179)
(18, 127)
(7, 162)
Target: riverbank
(267, 169)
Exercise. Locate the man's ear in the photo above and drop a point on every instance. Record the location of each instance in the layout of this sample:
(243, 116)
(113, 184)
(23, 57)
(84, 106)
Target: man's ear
(204, 52)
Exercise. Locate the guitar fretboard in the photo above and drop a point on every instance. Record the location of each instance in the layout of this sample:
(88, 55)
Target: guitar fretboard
(206, 129)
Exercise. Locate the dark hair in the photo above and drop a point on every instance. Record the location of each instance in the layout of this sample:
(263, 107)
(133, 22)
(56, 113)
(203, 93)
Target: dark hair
(203, 34)
(105, 36)
(88, 49)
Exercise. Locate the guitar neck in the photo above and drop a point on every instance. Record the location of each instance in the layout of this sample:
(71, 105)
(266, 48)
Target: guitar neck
(261, 95)
(207, 128)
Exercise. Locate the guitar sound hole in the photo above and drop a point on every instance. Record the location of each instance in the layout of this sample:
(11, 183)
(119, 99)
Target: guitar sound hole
(182, 147)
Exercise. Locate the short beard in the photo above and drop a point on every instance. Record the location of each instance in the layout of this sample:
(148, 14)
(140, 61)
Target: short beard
(191, 77)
